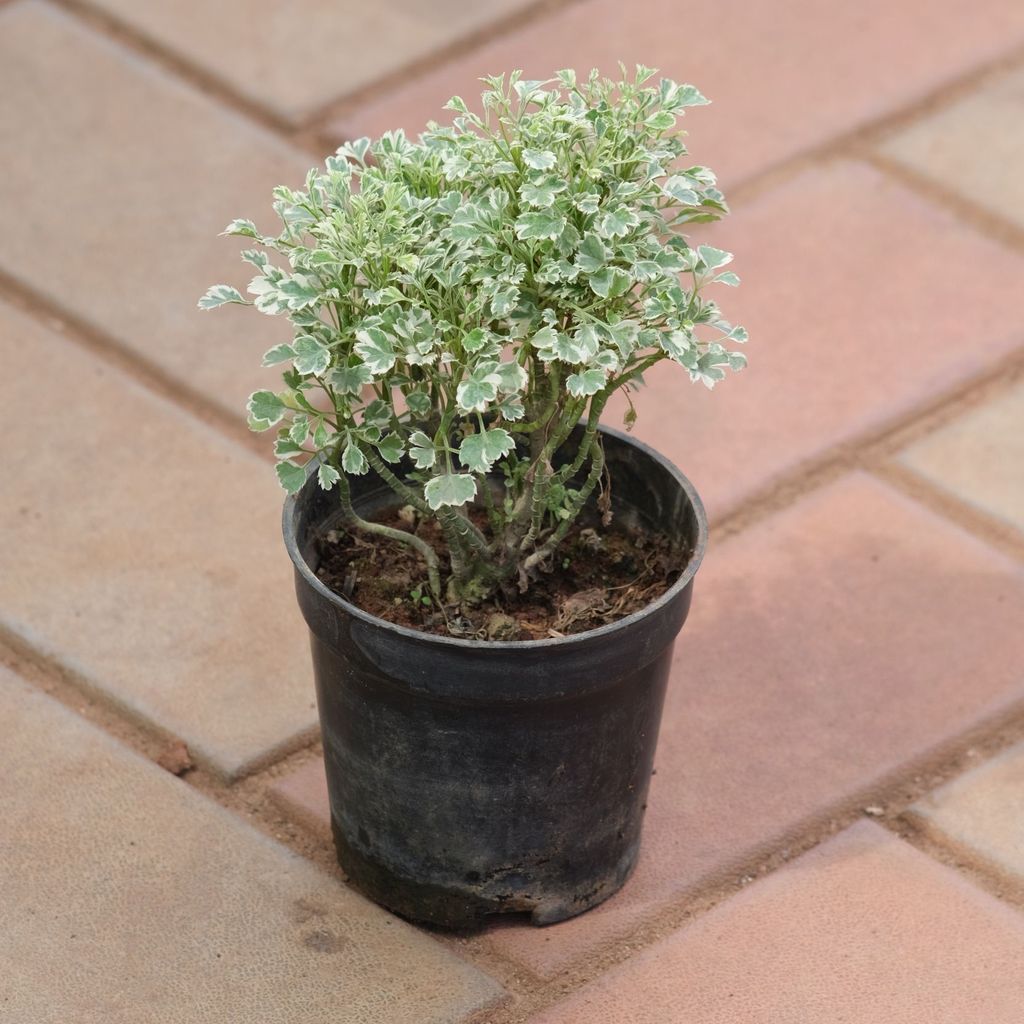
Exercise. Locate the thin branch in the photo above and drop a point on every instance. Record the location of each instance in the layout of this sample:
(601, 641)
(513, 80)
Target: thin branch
(556, 538)
(418, 543)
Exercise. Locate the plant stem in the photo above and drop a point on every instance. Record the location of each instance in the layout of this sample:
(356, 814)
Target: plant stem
(549, 546)
(425, 550)
(464, 539)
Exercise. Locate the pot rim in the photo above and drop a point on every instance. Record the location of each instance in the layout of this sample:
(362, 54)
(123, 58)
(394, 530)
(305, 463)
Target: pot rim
(548, 643)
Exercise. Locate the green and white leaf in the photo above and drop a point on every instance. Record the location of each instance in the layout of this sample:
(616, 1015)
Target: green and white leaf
(353, 461)
(269, 299)
(610, 283)
(310, 355)
(299, 430)
(220, 295)
(421, 450)
(541, 192)
(713, 258)
(476, 339)
(616, 222)
(539, 159)
(449, 489)
(327, 476)
(541, 224)
(290, 476)
(299, 291)
(419, 402)
(592, 255)
(478, 390)
(350, 380)
(375, 349)
(478, 452)
(245, 228)
(391, 448)
(512, 378)
(504, 300)
(589, 382)
(265, 409)
(278, 354)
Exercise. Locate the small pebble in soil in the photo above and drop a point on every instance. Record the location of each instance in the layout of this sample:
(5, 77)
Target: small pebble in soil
(175, 758)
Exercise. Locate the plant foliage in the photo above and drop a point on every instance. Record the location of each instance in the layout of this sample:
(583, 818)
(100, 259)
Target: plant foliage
(458, 304)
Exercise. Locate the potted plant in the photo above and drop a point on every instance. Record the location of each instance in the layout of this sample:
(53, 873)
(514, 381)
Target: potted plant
(492, 579)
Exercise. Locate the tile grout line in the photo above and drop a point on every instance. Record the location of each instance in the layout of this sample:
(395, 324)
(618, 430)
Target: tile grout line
(78, 331)
(991, 531)
(146, 739)
(851, 143)
(135, 728)
(872, 448)
(301, 130)
(109, 27)
(339, 107)
(936, 845)
(986, 222)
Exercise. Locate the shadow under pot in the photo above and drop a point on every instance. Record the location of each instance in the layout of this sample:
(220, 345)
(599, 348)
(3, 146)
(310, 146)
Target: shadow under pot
(469, 778)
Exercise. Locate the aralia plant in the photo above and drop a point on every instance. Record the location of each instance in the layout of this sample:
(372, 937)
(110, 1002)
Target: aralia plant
(460, 304)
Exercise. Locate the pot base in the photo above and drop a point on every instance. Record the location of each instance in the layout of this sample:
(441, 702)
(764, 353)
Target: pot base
(467, 907)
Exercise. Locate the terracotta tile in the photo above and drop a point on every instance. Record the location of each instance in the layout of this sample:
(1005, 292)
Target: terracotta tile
(827, 649)
(973, 146)
(981, 812)
(979, 458)
(296, 56)
(160, 906)
(302, 794)
(784, 75)
(851, 326)
(831, 646)
(144, 552)
(120, 181)
(861, 930)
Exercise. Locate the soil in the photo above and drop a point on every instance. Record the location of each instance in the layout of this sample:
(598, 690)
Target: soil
(599, 574)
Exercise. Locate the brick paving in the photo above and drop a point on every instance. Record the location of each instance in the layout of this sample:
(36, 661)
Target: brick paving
(980, 813)
(838, 301)
(856, 627)
(129, 174)
(145, 597)
(176, 910)
(784, 77)
(862, 929)
(287, 59)
(970, 136)
(974, 458)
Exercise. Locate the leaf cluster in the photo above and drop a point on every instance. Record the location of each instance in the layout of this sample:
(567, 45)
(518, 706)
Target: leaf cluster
(458, 303)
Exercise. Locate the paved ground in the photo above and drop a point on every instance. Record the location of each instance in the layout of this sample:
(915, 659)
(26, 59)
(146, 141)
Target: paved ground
(835, 828)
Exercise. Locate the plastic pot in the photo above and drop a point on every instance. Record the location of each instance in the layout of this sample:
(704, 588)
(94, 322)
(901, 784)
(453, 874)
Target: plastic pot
(470, 778)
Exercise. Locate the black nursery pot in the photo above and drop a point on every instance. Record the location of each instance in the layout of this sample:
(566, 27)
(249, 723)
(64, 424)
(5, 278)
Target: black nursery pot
(470, 778)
